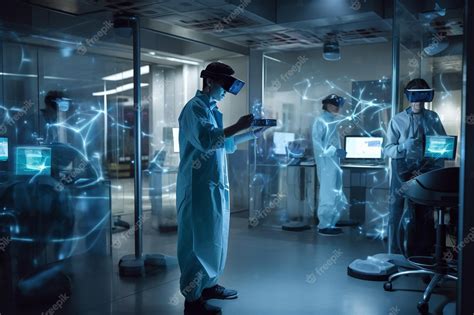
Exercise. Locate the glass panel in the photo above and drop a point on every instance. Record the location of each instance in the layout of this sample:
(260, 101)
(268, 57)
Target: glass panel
(55, 195)
(431, 47)
(295, 83)
(66, 142)
(20, 82)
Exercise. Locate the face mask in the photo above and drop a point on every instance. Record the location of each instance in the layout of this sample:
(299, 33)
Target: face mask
(63, 104)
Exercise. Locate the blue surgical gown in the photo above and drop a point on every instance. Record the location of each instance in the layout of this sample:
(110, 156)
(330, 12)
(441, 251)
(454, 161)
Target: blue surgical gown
(202, 196)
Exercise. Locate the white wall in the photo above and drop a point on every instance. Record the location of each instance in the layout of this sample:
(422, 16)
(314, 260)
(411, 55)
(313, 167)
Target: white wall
(170, 90)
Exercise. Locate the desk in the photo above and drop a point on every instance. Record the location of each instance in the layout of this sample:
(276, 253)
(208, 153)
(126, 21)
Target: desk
(367, 189)
(163, 210)
(282, 192)
(301, 196)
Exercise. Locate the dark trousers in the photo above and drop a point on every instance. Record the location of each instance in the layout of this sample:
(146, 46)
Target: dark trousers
(417, 228)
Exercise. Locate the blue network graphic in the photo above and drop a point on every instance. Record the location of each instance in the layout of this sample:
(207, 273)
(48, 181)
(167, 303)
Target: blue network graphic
(366, 113)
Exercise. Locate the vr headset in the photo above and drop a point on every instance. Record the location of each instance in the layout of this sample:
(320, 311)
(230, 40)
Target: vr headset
(419, 95)
(335, 100)
(229, 83)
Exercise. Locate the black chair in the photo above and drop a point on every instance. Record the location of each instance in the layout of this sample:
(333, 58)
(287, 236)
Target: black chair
(439, 190)
(37, 214)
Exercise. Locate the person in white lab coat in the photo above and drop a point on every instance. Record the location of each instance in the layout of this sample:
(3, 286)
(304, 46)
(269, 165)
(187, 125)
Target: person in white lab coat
(404, 146)
(202, 196)
(328, 153)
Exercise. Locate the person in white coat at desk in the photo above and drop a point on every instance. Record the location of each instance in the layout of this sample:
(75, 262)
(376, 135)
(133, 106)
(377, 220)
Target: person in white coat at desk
(328, 153)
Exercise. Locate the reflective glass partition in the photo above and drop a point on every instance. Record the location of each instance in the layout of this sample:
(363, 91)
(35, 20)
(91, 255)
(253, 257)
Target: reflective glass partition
(67, 126)
(55, 193)
(67, 151)
(284, 189)
(284, 182)
(431, 47)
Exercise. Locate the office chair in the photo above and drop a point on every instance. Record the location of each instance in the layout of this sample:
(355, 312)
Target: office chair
(438, 189)
(37, 214)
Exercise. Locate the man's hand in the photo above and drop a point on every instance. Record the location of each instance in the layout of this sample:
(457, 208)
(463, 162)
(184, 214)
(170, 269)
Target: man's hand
(410, 143)
(244, 122)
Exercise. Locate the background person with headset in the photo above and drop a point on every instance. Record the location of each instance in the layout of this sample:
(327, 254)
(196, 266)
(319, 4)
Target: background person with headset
(405, 137)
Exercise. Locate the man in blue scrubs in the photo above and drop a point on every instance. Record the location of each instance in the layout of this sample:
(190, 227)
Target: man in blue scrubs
(203, 189)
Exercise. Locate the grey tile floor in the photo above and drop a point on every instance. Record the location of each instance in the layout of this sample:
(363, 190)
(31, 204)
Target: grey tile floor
(270, 269)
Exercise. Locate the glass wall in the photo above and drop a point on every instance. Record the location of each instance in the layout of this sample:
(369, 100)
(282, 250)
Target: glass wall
(67, 127)
(67, 152)
(284, 185)
(431, 47)
(55, 195)
(295, 83)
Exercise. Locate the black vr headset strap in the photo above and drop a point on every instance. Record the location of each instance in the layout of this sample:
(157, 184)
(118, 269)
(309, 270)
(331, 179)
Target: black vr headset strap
(214, 75)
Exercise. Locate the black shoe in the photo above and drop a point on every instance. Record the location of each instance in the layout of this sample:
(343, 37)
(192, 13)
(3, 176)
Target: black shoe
(200, 307)
(330, 231)
(219, 292)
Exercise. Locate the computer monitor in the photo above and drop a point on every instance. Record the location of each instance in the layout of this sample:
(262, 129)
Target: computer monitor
(281, 140)
(360, 147)
(440, 147)
(3, 149)
(34, 160)
(176, 140)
